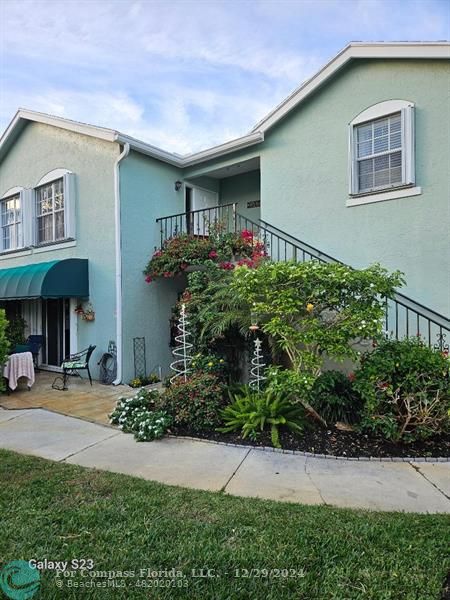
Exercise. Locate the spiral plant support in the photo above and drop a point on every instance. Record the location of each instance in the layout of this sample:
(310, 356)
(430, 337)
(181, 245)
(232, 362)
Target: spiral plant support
(181, 351)
(257, 369)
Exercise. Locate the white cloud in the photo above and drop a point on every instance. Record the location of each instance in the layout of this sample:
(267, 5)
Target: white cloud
(184, 74)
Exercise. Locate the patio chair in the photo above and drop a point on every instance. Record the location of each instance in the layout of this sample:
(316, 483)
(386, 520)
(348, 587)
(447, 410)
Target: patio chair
(72, 365)
(35, 342)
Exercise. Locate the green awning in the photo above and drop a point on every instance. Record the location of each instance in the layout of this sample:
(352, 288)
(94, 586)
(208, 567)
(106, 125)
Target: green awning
(55, 279)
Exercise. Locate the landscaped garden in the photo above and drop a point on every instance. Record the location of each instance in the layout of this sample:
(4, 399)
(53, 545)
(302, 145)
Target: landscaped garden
(253, 548)
(254, 346)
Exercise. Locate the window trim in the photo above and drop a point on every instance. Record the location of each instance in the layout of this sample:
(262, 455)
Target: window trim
(373, 113)
(19, 242)
(36, 218)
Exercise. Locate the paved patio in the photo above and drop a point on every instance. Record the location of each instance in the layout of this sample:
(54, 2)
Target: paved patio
(422, 487)
(80, 400)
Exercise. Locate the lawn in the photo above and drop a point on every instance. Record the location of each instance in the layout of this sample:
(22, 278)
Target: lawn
(254, 549)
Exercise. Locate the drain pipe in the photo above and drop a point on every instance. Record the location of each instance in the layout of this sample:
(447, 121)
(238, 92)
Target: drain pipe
(118, 241)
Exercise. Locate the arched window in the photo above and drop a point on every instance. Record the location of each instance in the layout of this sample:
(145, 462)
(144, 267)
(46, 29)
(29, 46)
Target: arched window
(381, 148)
(11, 219)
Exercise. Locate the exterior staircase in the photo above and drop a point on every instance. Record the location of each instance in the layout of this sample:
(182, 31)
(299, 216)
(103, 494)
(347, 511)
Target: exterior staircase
(404, 317)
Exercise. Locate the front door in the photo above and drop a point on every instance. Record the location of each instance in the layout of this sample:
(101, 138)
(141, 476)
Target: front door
(56, 330)
(205, 201)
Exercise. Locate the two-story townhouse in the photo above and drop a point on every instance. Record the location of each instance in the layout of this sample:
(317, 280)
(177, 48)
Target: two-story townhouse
(355, 163)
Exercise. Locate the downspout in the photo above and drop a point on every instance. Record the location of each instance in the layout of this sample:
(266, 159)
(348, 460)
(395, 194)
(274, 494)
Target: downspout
(118, 241)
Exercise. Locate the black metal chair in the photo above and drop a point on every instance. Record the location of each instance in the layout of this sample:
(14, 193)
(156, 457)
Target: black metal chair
(72, 365)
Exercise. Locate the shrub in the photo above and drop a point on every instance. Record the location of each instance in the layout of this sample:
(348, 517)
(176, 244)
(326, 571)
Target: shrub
(252, 411)
(4, 344)
(15, 330)
(405, 389)
(334, 398)
(137, 415)
(209, 363)
(313, 308)
(194, 404)
(143, 380)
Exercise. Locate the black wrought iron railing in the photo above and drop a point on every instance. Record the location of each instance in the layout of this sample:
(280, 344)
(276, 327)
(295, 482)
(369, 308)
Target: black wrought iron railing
(404, 317)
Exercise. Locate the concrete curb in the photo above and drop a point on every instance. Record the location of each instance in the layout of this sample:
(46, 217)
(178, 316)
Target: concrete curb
(406, 459)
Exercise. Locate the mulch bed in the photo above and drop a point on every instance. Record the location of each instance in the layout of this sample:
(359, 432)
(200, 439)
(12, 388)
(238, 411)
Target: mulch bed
(334, 442)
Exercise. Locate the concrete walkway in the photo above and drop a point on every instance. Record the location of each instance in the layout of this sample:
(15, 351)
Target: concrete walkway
(412, 487)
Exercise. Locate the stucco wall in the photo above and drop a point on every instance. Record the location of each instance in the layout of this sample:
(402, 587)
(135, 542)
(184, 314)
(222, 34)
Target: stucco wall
(40, 149)
(304, 177)
(147, 192)
(242, 189)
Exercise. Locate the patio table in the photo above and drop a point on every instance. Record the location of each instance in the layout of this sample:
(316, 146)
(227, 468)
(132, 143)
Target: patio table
(19, 365)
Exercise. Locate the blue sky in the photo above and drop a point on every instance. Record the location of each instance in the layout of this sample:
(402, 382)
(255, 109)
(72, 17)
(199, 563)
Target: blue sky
(185, 75)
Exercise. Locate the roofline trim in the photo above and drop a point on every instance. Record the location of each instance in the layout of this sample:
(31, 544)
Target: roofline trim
(354, 50)
(381, 50)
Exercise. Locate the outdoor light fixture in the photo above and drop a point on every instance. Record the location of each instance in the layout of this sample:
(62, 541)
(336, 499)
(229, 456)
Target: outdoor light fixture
(178, 185)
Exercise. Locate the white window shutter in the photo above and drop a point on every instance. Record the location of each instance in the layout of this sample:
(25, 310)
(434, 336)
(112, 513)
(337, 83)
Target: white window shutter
(352, 182)
(69, 205)
(27, 203)
(408, 145)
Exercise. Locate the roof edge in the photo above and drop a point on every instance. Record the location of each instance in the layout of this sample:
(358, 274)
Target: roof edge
(354, 50)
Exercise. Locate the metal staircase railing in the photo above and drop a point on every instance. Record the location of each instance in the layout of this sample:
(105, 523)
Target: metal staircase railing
(404, 316)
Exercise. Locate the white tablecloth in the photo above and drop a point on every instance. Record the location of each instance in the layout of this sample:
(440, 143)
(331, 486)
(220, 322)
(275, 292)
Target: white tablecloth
(19, 365)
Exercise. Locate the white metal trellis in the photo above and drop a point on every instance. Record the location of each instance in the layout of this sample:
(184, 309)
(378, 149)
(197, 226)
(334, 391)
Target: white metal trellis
(181, 354)
(257, 369)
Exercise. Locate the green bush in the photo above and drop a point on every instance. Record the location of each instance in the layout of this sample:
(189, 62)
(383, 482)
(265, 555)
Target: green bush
(405, 389)
(196, 403)
(4, 344)
(137, 415)
(209, 363)
(252, 411)
(15, 330)
(143, 380)
(335, 399)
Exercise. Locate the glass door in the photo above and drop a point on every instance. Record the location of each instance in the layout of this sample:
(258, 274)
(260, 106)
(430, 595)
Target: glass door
(56, 330)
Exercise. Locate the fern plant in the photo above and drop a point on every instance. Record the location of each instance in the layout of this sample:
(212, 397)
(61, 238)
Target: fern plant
(252, 412)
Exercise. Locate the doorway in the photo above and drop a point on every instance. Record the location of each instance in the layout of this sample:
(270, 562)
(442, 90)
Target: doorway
(56, 331)
(200, 199)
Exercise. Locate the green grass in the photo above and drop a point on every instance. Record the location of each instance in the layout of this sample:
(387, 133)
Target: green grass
(61, 512)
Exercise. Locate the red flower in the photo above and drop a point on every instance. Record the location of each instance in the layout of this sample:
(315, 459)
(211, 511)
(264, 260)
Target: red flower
(184, 266)
(247, 235)
(351, 377)
(213, 254)
(167, 274)
(228, 266)
(157, 253)
(148, 279)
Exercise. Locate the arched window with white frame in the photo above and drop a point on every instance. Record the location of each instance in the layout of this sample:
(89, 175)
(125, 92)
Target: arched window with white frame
(381, 148)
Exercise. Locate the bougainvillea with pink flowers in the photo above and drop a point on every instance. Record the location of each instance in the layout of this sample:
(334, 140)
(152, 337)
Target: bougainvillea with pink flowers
(226, 250)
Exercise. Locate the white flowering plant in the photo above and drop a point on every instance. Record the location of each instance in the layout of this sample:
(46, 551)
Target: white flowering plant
(137, 415)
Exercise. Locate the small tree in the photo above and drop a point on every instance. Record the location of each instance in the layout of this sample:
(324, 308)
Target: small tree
(314, 308)
(4, 343)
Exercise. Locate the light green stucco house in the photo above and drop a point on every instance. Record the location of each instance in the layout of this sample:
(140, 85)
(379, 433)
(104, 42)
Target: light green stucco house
(355, 163)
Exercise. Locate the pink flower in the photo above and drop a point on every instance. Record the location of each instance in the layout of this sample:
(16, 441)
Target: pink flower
(228, 266)
(157, 253)
(351, 377)
(148, 279)
(167, 274)
(246, 234)
(213, 254)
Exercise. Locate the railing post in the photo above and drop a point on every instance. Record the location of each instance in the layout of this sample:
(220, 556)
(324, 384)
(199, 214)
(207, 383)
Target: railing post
(234, 218)
(161, 236)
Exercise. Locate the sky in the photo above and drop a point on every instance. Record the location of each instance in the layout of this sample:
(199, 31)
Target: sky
(185, 75)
